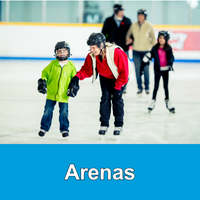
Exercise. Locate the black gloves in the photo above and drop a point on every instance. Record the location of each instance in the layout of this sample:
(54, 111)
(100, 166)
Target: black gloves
(117, 94)
(42, 86)
(73, 87)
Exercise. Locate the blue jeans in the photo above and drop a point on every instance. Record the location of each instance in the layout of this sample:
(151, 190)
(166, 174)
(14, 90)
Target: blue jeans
(48, 115)
(137, 58)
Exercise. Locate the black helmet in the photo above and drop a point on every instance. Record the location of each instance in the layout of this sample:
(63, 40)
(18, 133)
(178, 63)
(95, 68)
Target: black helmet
(165, 34)
(62, 45)
(96, 39)
(117, 7)
(142, 11)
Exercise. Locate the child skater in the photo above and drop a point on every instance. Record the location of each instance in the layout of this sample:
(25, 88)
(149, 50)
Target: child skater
(163, 61)
(54, 81)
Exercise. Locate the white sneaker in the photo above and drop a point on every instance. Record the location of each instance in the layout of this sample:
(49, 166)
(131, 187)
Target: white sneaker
(152, 105)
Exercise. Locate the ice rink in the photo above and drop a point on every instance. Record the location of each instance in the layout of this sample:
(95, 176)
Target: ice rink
(21, 109)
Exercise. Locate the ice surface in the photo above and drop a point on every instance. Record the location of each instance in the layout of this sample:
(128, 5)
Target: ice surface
(21, 109)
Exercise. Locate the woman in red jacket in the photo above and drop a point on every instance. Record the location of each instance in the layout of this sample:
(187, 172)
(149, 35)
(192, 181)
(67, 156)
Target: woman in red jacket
(112, 65)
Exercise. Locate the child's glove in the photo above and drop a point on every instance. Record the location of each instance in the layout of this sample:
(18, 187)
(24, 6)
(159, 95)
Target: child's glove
(42, 86)
(72, 92)
(73, 87)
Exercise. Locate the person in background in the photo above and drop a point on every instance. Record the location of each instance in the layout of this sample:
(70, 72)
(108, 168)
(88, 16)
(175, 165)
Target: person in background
(163, 61)
(143, 40)
(115, 28)
(54, 81)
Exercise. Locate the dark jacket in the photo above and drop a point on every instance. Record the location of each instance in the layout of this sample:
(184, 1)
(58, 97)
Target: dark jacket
(115, 34)
(154, 54)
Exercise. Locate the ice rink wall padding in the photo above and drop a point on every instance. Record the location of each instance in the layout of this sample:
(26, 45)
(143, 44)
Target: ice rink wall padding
(37, 40)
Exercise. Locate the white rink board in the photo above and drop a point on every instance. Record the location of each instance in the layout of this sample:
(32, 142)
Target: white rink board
(21, 109)
(39, 41)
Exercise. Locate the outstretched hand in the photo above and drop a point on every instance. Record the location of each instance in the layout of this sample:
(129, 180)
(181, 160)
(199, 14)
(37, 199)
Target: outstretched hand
(73, 87)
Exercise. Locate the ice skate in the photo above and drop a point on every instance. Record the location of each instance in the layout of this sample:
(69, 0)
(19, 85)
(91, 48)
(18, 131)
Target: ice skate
(147, 91)
(41, 132)
(152, 105)
(117, 131)
(139, 92)
(169, 106)
(103, 130)
(65, 134)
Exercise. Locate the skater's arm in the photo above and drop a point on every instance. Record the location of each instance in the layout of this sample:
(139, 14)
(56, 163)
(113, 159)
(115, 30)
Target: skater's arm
(86, 70)
(105, 29)
(146, 60)
(129, 36)
(152, 36)
(121, 61)
(171, 58)
(46, 72)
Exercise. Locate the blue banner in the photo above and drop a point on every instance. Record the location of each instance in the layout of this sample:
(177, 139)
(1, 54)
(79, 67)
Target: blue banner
(99, 172)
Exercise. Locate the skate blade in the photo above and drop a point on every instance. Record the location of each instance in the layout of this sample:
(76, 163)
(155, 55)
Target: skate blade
(149, 111)
(117, 139)
(102, 137)
(172, 111)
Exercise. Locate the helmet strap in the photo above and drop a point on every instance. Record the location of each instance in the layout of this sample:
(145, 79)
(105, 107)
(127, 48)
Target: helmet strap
(62, 58)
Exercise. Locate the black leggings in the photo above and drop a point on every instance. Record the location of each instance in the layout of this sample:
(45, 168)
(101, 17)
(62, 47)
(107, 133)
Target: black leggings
(165, 76)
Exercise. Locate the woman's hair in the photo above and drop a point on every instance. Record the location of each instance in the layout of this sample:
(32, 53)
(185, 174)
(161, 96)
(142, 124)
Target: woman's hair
(104, 50)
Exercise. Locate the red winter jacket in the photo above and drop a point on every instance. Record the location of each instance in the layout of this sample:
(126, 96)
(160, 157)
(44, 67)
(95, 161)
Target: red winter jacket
(121, 61)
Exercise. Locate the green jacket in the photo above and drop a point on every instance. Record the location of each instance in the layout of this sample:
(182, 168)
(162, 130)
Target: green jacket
(58, 80)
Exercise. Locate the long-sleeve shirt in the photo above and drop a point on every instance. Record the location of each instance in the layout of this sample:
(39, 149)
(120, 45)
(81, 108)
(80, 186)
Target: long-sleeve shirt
(143, 36)
(115, 33)
(121, 61)
(162, 57)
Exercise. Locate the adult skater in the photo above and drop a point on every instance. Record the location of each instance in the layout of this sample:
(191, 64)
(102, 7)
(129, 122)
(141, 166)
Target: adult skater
(112, 64)
(143, 40)
(115, 28)
(54, 81)
(163, 61)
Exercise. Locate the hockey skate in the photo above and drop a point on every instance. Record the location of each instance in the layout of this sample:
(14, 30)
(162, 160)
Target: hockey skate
(169, 106)
(139, 91)
(103, 130)
(152, 105)
(117, 131)
(41, 132)
(65, 134)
